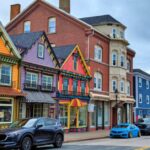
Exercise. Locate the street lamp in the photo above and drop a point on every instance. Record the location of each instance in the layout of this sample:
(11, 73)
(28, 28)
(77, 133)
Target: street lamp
(116, 93)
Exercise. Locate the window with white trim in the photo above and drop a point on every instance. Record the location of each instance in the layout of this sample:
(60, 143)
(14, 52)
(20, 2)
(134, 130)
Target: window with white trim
(122, 60)
(47, 82)
(140, 98)
(147, 84)
(147, 99)
(128, 88)
(98, 53)
(5, 75)
(128, 66)
(114, 58)
(122, 86)
(27, 26)
(52, 25)
(114, 33)
(41, 49)
(114, 85)
(140, 82)
(98, 81)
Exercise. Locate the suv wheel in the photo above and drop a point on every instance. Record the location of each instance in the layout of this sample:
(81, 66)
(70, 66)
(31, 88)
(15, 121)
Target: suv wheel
(26, 143)
(58, 141)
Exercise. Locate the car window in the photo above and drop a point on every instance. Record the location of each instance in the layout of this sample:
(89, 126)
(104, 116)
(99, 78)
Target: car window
(50, 122)
(40, 122)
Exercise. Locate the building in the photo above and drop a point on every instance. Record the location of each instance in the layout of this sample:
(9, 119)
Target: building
(141, 94)
(39, 69)
(64, 29)
(73, 88)
(9, 80)
(120, 67)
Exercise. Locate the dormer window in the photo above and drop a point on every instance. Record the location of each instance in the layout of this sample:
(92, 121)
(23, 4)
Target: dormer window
(41, 51)
(52, 25)
(27, 26)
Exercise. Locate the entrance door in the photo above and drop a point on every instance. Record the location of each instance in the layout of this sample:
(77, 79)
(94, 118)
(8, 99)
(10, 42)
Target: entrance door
(73, 117)
(114, 117)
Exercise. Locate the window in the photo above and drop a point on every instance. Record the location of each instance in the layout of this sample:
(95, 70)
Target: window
(114, 85)
(75, 62)
(140, 82)
(52, 25)
(128, 66)
(65, 85)
(37, 110)
(82, 116)
(114, 33)
(122, 86)
(5, 74)
(31, 80)
(98, 53)
(27, 26)
(147, 99)
(122, 60)
(6, 111)
(98, 81)
(75, 85)
(128, 88)
(83, 88)
(114, 58)
(122, 34)
(140, 98)
(41, 50)
(141, 113)
(47, 82)
(147, 84)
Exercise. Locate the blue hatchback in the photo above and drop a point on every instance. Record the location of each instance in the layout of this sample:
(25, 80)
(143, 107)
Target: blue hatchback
(125, 130)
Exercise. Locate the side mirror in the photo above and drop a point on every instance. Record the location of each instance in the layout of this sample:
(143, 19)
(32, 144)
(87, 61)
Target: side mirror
(39, 126)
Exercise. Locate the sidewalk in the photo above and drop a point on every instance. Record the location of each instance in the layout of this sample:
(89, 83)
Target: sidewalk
(73, 137)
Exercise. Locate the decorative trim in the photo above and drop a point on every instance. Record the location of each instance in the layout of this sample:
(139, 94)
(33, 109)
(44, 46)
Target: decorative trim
(8, 59)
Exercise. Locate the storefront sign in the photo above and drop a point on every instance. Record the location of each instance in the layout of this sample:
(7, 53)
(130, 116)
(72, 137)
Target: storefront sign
(91, 108)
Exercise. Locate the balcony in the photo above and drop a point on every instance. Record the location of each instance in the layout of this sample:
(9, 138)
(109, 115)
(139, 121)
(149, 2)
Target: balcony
(35, 87)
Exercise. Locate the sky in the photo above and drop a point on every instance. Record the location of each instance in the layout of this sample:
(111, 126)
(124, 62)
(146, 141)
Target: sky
(132, 13)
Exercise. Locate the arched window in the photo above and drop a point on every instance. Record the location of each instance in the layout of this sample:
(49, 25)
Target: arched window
(98, 53)
(122, 86)
(128, 66)
(114, 58)
(114, 85)
(98, 81)
(122, 60)
(27, 26)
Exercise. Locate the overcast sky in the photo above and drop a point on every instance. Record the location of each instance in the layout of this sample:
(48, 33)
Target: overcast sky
(132, 13)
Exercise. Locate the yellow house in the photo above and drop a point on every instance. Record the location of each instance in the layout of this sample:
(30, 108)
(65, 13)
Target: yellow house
(9, 80)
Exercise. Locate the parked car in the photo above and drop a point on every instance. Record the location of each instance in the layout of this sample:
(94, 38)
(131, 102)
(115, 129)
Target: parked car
(29, 133)
(125, 130)
(144, 125)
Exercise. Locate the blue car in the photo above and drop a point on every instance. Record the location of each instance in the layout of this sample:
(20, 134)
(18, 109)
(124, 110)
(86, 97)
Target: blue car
(125, 130)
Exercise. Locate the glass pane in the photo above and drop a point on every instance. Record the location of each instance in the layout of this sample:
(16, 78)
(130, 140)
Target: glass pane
(5, 113)
(64, 115)
(83, 116)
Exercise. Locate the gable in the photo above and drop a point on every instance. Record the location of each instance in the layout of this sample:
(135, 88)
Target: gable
(6, 45)
(68, 64)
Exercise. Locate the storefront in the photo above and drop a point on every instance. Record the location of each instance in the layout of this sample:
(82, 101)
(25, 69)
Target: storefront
(73, 115)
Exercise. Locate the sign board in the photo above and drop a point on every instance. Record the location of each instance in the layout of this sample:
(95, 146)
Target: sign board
(91, 107)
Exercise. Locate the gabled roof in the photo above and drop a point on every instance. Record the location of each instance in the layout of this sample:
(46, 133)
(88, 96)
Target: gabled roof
(64, 52)
(98, 20)
(25, 41)
(8, 41)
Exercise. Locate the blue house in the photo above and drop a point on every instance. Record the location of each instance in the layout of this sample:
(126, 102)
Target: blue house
(141, 94)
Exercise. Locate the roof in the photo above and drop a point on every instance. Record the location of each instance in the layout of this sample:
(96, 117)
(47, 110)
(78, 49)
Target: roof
(9, 41)
(141, 71)
(98, 20)
(12, 92)
(62, 52)
(26, 40)
(39, 97)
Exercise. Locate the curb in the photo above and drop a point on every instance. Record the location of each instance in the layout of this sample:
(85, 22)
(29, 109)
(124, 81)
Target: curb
(87, 139)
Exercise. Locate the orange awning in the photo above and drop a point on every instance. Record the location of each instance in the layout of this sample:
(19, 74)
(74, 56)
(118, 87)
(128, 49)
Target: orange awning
(77, 103)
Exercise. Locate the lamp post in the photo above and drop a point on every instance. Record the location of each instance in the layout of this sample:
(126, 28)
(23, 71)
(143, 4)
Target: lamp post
(116, 93)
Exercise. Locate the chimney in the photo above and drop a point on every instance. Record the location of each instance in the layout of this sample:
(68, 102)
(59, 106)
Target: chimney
(14, 10)
(64, 5)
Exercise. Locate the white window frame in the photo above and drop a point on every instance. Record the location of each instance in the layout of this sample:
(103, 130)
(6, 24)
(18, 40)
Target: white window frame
(128, 89)
(52, 28)
(147, 99)
(140, 98)
(98, 79)
(41, 48)
(27, 26)
(114, 81)
(98, 53)
(122, 86)
(47, 83)
(122, 60)
(147, 84)
(128, 66)
(116, 60)
(114, 33)
(140, 82)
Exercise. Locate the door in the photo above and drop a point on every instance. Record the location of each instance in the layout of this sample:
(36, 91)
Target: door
(114, 114)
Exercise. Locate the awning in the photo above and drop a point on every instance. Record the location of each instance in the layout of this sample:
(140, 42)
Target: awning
(77, 103)
(39, 97)
(8, 91)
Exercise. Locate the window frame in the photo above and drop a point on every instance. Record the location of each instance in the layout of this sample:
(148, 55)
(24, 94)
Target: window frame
(25, 24)
(122, 83)
(114, 81)
(50, 20)
(76, 90)
(147, 99)
(147, 84)
(67, 79)
(38, 51)
(114, 60)
(122, 60)
(114, 33)
(98, 52)
(128, 89)
(46, 83)
(140, 99)
(75, 62)
(140, 82)
(99, 82)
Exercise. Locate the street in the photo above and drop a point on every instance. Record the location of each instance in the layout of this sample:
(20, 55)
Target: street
(142, 143)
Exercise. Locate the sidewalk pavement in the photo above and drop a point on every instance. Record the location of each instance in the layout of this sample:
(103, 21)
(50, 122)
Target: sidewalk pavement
(81, 136)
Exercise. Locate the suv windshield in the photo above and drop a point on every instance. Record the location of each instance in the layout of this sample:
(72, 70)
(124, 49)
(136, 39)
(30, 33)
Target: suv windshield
(27, 123)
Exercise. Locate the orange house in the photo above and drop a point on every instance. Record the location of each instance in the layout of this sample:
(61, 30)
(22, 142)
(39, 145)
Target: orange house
(9, 79)
(73, 88)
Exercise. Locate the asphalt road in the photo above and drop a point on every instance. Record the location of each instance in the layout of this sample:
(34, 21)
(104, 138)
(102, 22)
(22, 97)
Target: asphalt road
(142, 143)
